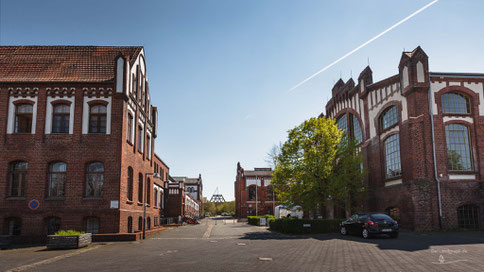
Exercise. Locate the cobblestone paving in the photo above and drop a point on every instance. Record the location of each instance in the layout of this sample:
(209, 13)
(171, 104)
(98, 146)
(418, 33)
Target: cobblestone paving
(230, 246)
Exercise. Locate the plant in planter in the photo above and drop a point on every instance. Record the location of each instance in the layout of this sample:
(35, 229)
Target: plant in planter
(67, 239)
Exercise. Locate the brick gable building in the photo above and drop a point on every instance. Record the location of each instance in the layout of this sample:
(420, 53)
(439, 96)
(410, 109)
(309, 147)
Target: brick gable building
(253, 192)
(77, 136)
(420, 133)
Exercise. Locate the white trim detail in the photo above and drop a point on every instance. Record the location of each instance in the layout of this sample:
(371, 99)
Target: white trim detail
(396, 96)
(85, 113)
(420, 72)
(11, 113)
(119, 74)
(405, 77)
(393, 182)
(458, 118)
(436, 87)
(462, 177)
(477, 88)
(395, 129)
(49, 113)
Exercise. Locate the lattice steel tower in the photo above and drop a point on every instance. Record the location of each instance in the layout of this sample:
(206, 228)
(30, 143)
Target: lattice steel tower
(217, 197)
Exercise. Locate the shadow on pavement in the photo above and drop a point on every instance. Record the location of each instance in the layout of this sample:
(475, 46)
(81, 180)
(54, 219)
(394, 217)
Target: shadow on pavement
(407, 241)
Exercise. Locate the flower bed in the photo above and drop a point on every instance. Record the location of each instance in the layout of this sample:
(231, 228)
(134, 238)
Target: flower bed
(68, 240)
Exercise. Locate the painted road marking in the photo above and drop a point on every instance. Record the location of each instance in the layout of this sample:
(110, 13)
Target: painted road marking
(51, 260)
(208, 232)
(265, 259)
(241, 244)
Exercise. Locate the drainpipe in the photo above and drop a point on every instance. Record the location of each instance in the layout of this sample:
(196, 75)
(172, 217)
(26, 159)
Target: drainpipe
(434, 154)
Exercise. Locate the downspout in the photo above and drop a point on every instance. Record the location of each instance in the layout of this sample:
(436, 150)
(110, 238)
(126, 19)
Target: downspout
(434, 154)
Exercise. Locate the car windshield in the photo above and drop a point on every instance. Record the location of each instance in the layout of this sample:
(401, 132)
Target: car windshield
(380, 216)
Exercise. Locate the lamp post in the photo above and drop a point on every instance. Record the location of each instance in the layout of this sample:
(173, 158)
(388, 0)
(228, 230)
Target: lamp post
(155, 175)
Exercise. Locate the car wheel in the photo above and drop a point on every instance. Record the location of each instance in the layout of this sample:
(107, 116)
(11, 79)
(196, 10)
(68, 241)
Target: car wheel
(365, 233)
(343, 231)
(394, 235)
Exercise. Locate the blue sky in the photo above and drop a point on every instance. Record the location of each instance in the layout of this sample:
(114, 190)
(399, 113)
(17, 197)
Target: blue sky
(219, 71)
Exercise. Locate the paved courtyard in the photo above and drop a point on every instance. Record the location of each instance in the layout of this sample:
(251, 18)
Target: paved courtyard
(224, 245)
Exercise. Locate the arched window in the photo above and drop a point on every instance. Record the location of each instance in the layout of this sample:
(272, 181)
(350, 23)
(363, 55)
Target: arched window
(148, 223)
(57, 179)
(252, 192)
(155, 197)
(13, 226)
(342, 123)
(140, 188)
(140, 223)
(23, 118)
(389, 118)
(393, 166)
(130, 184)
(53, 225)
(130, 224)
(92, 225)
(148, 192)
(18, 179)
(130, 126)
(455, 103)
(458, 147)
(357, 134)
(94, 179)
(60, 118)
(97, 118)
(468, 217)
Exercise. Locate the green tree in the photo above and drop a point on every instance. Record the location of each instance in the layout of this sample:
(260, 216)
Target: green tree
(317, 163)
(305, 163)
(345, 182)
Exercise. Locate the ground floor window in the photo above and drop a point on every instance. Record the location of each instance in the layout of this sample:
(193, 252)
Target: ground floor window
(92, 225)
(53, 225)
(140, 223)
(148, 223)
(130, 224)
(468, 217)
(393, 213)
(13, 226)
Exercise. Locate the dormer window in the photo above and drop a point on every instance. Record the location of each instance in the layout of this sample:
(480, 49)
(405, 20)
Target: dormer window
(455, 103)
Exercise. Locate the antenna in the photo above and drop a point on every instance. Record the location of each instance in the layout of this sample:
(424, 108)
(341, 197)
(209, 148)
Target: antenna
(368, 60)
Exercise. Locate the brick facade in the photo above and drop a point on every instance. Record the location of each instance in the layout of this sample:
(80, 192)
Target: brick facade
(412, 191)
(98, 75)
(253, 192)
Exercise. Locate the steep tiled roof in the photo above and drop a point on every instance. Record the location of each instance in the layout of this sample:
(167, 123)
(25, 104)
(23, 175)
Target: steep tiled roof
(62, 63)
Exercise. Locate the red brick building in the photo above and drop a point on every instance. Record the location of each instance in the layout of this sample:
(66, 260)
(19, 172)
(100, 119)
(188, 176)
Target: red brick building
(421, 134)
(253, 192)
(77, 136)
(179, 201)
(194, 188)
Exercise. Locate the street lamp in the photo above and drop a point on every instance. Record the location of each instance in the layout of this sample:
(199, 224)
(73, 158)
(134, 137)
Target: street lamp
(155, 175)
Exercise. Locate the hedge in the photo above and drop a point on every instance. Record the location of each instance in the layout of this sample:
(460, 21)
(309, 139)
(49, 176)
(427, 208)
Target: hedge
(255, 220)
(296, 226)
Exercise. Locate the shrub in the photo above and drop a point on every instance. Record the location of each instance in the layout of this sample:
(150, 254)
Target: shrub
(296, 226)
(68, 232)
(255, 220)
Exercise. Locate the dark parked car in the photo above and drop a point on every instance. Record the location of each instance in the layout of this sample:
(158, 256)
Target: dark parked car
(368, 224)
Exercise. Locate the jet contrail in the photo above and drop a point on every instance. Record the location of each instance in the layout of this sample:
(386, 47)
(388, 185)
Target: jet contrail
(363, 45)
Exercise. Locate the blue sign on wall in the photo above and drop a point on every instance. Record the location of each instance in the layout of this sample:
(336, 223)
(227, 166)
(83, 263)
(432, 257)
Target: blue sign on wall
(34, 204)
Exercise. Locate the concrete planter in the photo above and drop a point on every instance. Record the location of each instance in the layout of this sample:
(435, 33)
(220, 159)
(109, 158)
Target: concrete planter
(68, 242)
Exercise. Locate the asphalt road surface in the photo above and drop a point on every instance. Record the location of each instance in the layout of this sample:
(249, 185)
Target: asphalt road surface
(225, 245)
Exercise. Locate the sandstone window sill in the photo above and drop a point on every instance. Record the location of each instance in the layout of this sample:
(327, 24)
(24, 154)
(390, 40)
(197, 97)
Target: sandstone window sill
(15, 198)
(53, 198)
(92, 198)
